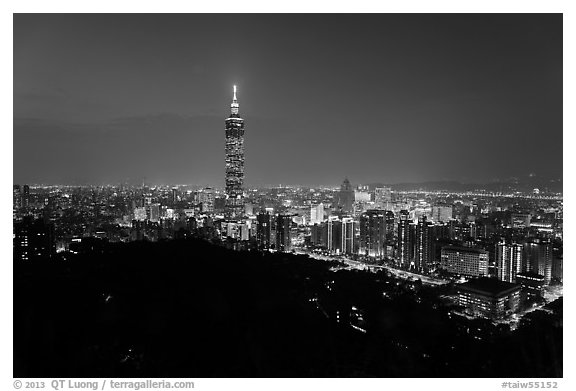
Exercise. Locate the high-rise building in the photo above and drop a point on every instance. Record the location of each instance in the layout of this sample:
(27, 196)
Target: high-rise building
(348, 236)
(155, 213)
(16, 198)
(390, 220)
(544, 264)
(263, 230)
(33, 239)
(532, 284)
(312, 215)
(557, 265)
(537, 258)
(489, 297)
(174, 197)
(464, 261)
(317, 214)
(373, 234)
(283, 236)
(244, 232)
(345, 197)
(335, 235)
(206, 199)
(234, 162)
(319, 234)
(508, 261)
(404, 244)
(424, 242)
(340, 235)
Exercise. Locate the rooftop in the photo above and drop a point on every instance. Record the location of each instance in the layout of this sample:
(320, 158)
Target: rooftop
(488, 286)
(465, 249)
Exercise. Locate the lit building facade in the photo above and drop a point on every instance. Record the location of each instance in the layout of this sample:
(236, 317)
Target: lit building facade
(340, 235)
(489, 298)
(263, 230)
(234, 162)
(33, 239)
(155, 213)
(317, 214)
(404, 243)
(348, 236)
(508, 261)
(334, 235)
(532, 284)
(424, 246)
(537, 258)
(206, 199)
(283, 233)
(464, 261)
(373, 234)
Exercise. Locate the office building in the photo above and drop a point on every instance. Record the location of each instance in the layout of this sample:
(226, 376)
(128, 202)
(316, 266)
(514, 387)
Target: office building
(283, 234)
(390, 223)
(424, 261)
(373, 234)
(532, 284)
(508, 261)
(557, 266)
(33, 239)
(317, 214)
(464, 261)
(155, 213)
(174, 197)
(538, 258)
(263, 230)
(319, 235)
(344, 199)
(404, 247)
(234, 207)
(348, 236)
(489, 298)
(334, 235)
(206, 198)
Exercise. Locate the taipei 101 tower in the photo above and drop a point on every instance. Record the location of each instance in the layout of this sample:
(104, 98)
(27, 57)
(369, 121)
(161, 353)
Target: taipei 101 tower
(234, 162)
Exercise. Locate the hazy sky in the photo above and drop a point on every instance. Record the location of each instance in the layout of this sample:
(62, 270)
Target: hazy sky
(377, 98)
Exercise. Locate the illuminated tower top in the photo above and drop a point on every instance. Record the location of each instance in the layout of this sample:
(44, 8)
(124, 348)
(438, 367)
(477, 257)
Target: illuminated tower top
(234, 105)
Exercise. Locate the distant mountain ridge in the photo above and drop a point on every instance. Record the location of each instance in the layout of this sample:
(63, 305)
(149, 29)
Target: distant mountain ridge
(524, 185)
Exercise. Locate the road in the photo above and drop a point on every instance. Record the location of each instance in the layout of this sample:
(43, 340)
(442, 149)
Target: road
(351, 264)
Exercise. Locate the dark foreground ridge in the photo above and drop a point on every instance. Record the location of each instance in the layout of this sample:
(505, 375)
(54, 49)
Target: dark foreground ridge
(188, 308)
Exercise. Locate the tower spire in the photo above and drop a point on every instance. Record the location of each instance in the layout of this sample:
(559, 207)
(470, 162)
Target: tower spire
(234, 105)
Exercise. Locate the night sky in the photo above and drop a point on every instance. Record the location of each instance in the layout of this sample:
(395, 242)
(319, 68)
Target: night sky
(377, 98)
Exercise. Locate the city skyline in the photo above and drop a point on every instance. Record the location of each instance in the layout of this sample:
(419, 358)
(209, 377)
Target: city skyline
(322, 196)
(466, 100)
